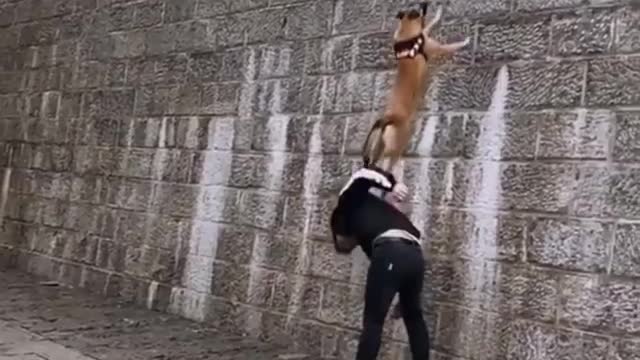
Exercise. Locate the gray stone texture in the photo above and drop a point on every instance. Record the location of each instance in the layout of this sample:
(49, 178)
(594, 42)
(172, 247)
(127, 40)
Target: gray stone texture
(190, 152)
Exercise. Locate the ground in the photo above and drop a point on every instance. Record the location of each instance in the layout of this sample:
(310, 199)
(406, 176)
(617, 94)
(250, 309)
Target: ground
(40, 320)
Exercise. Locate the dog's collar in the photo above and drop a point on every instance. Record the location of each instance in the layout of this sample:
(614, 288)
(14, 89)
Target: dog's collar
(410, 48)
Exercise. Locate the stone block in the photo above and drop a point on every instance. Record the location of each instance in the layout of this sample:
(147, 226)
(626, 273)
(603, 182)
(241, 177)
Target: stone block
(627, 137)
(515, 138)
(585, 33)
(461, 8)
(134, 163)
(139, 132)
(94, 161)
(174, 166)
(141, 71)
(22, 181)
(375, 52)
(84, 218)
(149, 263)
(89, 189)
(316, 134)
(426, 179)
(131, 228)
(334, 55)
(177, 200)
(166, 232)
(206, 66)
(540, 187)
(103, 47)
(316, 212)
(130, 194)
(570, 244)
(325, 263)
(308, 20)
(179, 10)
(612, 82)
(39, 33)
(513, 290)
(53, 185)
(97, 132)
(358, 126)
(219, 204)
(627, 35)
(25, 208)
(261, 286)
(537, 5)
(261, 210)
(7, 14)
(191, 36)
(148, 13)
(161, 100)
(81, 249)
(358, 16)
(474, 234)
(468, 333)
(278, 250)
(582, 134)
(109, 103)
(230, 282)
(342, 304)
(465, 87)
(539, 85)
(9, 38)
(598, 304)
(114, 18)
(212, 168)
(306, 95)
(607, 192)
(171, 69)
(298, 294)
(11, 82)
(221, 98)
(529, 340)
(10, 105)
(236, 245)
(210, 9)
(626, 251)
(52, 212)
(253, 26)
(110, 255)
(523, 38)
(625, 349)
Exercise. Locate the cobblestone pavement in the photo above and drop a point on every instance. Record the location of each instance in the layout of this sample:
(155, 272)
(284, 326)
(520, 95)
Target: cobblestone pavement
(40, 320)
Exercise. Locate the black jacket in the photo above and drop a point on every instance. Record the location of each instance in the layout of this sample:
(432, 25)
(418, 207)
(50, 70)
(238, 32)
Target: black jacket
(364, 216)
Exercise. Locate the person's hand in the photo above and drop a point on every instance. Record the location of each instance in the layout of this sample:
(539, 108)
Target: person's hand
(400, 192)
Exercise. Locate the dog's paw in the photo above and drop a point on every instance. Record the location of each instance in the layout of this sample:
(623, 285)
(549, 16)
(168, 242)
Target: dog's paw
(466, 41)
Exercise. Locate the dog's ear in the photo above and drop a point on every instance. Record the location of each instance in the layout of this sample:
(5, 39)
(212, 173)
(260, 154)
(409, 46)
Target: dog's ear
(400, 15)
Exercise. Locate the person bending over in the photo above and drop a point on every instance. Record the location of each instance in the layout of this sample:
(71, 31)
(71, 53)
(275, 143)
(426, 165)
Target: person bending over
(365, 217)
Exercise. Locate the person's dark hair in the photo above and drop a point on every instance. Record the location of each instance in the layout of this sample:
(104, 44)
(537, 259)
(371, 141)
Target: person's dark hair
(339, 226)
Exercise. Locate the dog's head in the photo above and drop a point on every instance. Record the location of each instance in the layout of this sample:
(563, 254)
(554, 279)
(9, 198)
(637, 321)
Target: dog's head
(410, 25)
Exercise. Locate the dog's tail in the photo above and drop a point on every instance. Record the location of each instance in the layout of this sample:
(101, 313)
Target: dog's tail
(374, 144)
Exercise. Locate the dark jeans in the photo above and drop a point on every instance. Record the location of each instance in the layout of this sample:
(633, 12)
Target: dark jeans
(397, 266)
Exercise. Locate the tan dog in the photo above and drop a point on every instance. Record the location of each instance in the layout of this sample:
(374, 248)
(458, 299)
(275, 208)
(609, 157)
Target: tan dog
(416, 53)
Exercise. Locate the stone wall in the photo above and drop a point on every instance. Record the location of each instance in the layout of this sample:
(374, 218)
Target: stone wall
(184, 154)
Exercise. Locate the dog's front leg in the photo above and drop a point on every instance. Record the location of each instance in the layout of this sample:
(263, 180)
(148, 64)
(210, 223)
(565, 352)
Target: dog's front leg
(427, 29)
(434, 48)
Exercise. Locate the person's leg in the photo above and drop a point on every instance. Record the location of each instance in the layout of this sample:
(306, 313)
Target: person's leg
(411, 308)
(379, 292)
